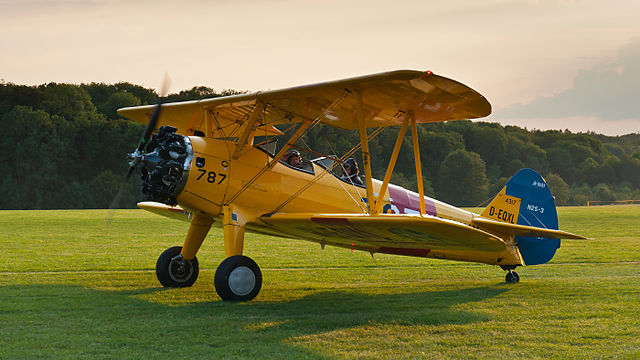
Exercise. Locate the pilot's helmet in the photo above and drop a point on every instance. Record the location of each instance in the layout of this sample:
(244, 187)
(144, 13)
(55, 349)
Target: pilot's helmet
(352, 165)
(289, 154)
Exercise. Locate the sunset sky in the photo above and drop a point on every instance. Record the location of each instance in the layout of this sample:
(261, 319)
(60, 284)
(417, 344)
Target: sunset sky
(542, 64)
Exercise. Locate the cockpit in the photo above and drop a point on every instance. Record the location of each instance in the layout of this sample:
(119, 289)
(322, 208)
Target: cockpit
(298, 159)
(340, 169)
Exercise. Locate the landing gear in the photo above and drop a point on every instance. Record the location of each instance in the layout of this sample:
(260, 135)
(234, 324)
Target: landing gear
(174, 271)
(238, 278)
(512, 277)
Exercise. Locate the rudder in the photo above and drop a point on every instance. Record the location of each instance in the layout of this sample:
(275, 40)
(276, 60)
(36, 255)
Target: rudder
(527, 198)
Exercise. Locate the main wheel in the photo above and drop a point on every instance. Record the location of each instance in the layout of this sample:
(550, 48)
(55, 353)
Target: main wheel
(173, 271)
(512, 277)
(238, 278)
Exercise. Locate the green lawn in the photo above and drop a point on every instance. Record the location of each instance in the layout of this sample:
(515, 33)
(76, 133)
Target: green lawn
(73, 287)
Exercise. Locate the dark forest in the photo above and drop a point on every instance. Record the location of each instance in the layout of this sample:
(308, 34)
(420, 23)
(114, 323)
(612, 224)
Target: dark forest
(64, 146)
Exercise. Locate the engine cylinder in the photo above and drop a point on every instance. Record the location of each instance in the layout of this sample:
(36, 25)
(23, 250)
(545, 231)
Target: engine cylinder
(166, 165)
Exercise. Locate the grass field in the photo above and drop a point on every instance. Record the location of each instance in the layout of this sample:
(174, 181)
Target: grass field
(71, 287)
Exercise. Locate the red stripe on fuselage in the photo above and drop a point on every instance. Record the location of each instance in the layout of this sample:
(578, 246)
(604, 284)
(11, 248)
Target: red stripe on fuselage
(404, 200)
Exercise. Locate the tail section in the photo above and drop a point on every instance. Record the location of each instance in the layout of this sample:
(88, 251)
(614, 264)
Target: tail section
(527, 200)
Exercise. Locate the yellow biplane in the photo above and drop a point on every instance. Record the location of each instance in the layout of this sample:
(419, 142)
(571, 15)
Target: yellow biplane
(213, 162)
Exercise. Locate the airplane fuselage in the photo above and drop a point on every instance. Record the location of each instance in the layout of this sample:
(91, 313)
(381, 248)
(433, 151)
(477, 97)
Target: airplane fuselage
(216, 180)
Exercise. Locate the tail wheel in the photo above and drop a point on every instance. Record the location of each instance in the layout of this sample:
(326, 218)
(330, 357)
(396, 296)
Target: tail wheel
(174, 271)
(512, 277)
(238, 278)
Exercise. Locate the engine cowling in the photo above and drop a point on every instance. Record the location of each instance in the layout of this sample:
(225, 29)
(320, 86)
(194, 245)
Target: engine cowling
(166, 165)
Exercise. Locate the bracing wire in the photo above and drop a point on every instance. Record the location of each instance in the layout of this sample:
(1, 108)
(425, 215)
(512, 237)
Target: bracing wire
(358, 203)
(315, 121)
(371, 136)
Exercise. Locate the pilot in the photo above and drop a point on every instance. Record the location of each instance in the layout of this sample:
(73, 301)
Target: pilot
(293, 158)
(350, 172)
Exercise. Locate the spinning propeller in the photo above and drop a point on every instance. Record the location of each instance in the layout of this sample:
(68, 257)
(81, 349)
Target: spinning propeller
(136, 157)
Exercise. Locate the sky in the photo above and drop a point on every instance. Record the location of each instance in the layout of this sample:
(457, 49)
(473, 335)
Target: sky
(543, 64)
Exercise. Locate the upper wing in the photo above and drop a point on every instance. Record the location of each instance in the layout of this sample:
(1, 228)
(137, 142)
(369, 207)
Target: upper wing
(386, 98)
(383, 231)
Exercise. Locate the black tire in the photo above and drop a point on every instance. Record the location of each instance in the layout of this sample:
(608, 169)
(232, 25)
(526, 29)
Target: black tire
(512, 277)
(172, 273)
(238, 278)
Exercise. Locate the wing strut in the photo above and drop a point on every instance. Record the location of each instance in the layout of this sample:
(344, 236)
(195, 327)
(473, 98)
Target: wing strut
(364, 146)
(249, 128)
(392, 164)
(416, 156)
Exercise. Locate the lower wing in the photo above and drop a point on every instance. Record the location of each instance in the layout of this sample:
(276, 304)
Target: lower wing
(173, 212)
(386, 231)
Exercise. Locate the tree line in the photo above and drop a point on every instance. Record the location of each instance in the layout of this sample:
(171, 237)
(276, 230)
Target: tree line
(64, 146)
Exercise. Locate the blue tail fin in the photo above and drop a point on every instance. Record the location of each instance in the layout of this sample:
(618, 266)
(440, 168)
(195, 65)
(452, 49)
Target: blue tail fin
(538, 209)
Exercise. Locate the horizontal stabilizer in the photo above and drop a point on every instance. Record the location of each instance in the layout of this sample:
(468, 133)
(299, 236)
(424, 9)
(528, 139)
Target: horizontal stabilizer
(523, 230)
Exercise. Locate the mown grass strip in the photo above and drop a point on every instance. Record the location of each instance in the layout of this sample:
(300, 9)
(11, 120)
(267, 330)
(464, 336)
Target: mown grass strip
(71, 287)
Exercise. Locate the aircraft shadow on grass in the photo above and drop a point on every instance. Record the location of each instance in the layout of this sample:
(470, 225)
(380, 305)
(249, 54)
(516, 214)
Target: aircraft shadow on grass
(112, 320)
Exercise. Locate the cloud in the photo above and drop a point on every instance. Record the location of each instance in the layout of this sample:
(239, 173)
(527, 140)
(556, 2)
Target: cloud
(608, 91)
(576, 124)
